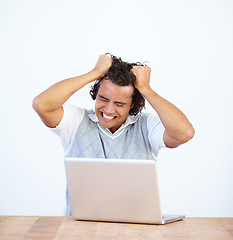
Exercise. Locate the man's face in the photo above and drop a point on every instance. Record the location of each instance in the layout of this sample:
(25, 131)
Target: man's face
(113, 104)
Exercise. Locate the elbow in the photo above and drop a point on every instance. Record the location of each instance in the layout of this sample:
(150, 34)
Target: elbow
(37, 105)
(188, 135)
(191, 133)
(182, 137)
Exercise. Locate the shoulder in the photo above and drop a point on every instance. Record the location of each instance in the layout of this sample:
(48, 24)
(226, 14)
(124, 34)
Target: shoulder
(72, 116)
(151, 122)
(146, 118)
(71, 109)
(67, 128)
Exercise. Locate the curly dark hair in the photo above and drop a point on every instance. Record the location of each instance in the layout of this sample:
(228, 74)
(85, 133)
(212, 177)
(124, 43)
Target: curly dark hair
(120, 74)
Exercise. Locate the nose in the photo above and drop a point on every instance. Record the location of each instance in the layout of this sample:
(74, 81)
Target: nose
(109, 108)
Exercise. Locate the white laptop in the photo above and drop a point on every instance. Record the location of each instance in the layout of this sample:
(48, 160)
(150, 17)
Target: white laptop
(115, 190)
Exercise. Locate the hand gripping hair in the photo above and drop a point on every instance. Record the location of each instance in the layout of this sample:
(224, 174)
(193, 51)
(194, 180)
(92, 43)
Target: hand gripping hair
(120, 74)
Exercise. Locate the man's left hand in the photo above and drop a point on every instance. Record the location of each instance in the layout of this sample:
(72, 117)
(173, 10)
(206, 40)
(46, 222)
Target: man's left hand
(142, 74)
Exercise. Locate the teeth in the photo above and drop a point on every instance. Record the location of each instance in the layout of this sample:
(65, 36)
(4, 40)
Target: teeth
(108, 117)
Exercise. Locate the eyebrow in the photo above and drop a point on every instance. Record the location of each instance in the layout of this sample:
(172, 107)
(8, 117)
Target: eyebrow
(117, 102)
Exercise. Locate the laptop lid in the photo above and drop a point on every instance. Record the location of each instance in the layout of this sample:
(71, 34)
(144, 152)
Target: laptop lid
(118, 190)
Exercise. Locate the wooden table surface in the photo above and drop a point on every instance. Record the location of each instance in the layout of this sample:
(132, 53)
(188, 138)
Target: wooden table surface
(20, 227)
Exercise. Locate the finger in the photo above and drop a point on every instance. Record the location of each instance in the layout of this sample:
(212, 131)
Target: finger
(132, 70)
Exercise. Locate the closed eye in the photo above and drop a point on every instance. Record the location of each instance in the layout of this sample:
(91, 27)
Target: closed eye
(120, 104)
(103, 98)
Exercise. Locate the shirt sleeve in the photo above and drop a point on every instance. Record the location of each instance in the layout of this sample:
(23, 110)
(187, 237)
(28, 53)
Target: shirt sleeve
(155, 136)
(67, 128)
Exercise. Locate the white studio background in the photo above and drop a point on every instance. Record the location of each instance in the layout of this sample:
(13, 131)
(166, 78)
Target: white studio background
(189, 47)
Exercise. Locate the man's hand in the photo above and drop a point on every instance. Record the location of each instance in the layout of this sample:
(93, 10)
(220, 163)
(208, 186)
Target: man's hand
(178, 129)
(102, 66)
(142, 74)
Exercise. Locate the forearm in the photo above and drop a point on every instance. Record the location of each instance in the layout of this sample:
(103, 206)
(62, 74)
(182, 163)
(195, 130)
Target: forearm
(56, 95)
(176, 124)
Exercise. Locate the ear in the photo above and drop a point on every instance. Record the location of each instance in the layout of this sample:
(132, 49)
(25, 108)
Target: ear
(132, 105)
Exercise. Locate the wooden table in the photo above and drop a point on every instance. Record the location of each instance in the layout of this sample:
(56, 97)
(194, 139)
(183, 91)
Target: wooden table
(19, 227)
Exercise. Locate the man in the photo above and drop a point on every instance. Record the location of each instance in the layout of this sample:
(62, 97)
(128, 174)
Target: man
(117, 128)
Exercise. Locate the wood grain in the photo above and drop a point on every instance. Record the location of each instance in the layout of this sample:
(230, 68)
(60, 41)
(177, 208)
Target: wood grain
(63, 228)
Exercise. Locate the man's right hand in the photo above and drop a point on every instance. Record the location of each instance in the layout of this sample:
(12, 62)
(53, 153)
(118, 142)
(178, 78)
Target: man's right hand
(102, 66)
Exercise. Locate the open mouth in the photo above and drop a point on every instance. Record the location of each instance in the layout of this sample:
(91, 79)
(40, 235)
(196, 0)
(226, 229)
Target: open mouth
(108, 117)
